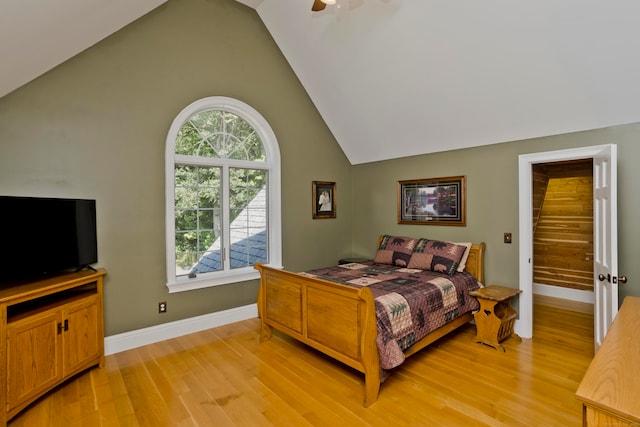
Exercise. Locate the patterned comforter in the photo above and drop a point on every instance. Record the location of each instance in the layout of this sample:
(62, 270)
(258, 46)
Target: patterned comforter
(410, 303)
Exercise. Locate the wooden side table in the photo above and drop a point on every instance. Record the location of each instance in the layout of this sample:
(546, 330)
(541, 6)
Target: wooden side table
(496, 317)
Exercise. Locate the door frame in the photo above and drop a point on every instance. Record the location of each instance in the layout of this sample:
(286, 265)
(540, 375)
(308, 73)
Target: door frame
(524, 325)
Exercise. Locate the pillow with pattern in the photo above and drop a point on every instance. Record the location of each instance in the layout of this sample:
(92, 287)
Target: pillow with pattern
(395, 250)
(436, 255)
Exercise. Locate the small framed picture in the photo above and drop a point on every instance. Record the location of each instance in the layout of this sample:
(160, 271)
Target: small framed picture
(324, 199)
(435, 201)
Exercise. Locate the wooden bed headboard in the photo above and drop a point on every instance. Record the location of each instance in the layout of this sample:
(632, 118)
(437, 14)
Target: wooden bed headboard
(475, 262)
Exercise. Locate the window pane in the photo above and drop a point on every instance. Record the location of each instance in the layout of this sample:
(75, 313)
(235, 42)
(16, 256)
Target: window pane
(220, 134)
(208, 123)
(235, 149)
(186, 240)
(205, 240)
(188, 140)
(207, 149)
(244, 184)
(209, 197)
(209, 177)
(255, 148)
(185, 176)
(248, 194)
(197, 219)
(186, 220)
(207, 262)
(205, 219)
(184, 262)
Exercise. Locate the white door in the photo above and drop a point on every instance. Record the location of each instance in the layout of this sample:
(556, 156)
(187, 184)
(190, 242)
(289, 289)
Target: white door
(605, 267)
(605, 234)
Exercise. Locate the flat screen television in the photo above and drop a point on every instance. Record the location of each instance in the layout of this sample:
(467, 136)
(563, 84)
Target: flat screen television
(44, 236)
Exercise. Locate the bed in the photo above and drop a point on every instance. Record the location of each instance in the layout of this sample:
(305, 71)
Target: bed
(325, 310)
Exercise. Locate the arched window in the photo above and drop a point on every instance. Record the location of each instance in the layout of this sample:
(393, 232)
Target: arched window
(222, 195)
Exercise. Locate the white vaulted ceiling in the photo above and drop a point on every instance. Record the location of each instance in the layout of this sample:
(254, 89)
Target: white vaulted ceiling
(37, 35)
(393, 78)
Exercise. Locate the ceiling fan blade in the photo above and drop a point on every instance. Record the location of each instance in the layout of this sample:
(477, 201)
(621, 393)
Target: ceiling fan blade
(318, 5)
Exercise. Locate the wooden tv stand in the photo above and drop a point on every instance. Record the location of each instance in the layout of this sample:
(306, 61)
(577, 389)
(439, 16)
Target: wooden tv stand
(50, 330)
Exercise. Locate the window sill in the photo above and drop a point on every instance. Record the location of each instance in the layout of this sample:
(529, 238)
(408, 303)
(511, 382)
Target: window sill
(181, 284)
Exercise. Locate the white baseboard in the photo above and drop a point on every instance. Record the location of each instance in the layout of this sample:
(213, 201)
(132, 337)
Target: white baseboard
(564, 293)
(132, 339)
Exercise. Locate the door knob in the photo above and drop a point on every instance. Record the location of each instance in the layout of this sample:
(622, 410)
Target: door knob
(622, 279)
(602, 277)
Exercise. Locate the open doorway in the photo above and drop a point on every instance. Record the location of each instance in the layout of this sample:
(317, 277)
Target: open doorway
(604, 158)
(562, 224)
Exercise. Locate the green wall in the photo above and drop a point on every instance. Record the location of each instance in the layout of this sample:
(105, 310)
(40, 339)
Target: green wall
(95, 127)
(492, 198)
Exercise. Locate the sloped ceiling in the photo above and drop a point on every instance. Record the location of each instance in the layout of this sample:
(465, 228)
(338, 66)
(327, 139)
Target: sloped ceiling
(393, 78)
(37, 35)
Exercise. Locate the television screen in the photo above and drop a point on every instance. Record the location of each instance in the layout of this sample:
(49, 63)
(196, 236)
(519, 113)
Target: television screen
(41, 236)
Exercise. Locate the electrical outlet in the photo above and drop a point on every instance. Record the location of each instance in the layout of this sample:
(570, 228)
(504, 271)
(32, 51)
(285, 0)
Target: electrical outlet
(507, 237)
(162, 307)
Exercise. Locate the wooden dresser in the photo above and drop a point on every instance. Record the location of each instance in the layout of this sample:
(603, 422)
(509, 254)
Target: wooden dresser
(50, 330)
(610, 389)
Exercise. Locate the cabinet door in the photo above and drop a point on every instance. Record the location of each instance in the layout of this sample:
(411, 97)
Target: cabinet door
(33, 357)
(81, 337)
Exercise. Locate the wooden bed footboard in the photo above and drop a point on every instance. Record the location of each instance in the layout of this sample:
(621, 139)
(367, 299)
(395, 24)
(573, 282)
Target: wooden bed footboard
(338, 320)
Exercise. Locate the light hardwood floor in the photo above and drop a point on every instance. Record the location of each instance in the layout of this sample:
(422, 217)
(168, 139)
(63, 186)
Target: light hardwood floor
(225, 377)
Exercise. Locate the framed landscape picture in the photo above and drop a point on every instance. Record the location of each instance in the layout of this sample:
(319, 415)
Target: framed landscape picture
(434, 201)
(324, 199)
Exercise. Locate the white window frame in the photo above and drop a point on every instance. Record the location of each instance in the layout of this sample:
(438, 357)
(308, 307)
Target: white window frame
(272, 164)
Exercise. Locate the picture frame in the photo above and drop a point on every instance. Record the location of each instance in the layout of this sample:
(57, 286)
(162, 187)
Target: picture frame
(434, 201)
(324, 199)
